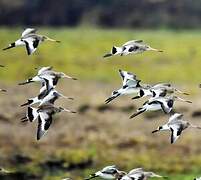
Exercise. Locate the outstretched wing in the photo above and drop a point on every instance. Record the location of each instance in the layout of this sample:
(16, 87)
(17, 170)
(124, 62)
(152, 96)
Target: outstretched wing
(44, 69)
(176, 131)
(31, 44)
(28, 31)
(44, 122)
(175, 116)
(135, 171)
(132, 42)
(129, 79)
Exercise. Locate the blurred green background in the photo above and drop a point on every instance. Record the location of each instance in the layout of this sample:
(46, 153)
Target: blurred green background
(99, 135)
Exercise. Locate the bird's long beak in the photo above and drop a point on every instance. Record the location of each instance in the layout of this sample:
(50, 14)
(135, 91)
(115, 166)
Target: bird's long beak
(181, 92)
(67, 110)
(69, 77)
(193, 126)
(53, 40)
(65, 97)
(183, 100)
(153, 49)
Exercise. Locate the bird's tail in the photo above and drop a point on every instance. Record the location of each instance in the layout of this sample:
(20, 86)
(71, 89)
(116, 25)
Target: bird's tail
(137, 113)
(115, 50)
(12, 45)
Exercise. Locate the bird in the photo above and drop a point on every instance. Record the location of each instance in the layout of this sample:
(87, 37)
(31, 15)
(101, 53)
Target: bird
(48, 76)
(44, 115)
(49, 96)
(197, 178)
(158, 90)
(108, 172)
(30, 40)
(130, 85)
(176, 125)
(140, 174)
(4, 171)
(130, 47)
(160, 103)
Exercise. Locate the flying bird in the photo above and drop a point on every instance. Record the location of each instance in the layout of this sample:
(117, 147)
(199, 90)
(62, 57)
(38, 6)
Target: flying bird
(176, 125)
(108, 172)
(130, 85)
(44, 114)
(158, 90)
(161, 103)
(130, 47)
(140, 174)
(48, 96)
(30, 40)
(48, 76)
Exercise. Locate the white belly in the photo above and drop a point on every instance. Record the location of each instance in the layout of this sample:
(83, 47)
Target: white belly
(153, 107)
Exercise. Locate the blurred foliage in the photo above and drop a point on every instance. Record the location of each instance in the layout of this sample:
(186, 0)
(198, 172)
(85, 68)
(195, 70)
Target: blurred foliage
(105, 13)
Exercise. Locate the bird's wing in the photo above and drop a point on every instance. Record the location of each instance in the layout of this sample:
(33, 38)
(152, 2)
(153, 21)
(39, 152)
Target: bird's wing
(44, 122)
(175, 116)
(135, 170)
(43, 69)
(28, 31)
(50, 98)
(161, 85)
(132, 42)
(48, 80)
(31, 44)
(109, 169)
(176, 130)
(129, 79)
(137, 176)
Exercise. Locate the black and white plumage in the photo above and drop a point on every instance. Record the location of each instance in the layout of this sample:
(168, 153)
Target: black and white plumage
(158, 90)
(108, 172)
(140, 174)
(48, 76)
(44, 115)
(48, 96)
(161, 103)
(176, 125)
(130, 47)
(197, 178)
(30, 40)
(130, 85)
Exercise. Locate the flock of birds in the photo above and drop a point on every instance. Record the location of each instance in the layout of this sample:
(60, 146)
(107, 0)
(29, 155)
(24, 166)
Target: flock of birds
(161, 97)
(45, 100)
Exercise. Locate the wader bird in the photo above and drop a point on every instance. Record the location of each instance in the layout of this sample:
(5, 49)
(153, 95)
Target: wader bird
(44, 114)
(176, 125)
(31, 40)
(140, 174)
(160, 103)
(130, 85)
(130, 47)
(108, 172)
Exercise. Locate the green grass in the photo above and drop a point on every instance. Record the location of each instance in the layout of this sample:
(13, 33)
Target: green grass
(80, 54)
